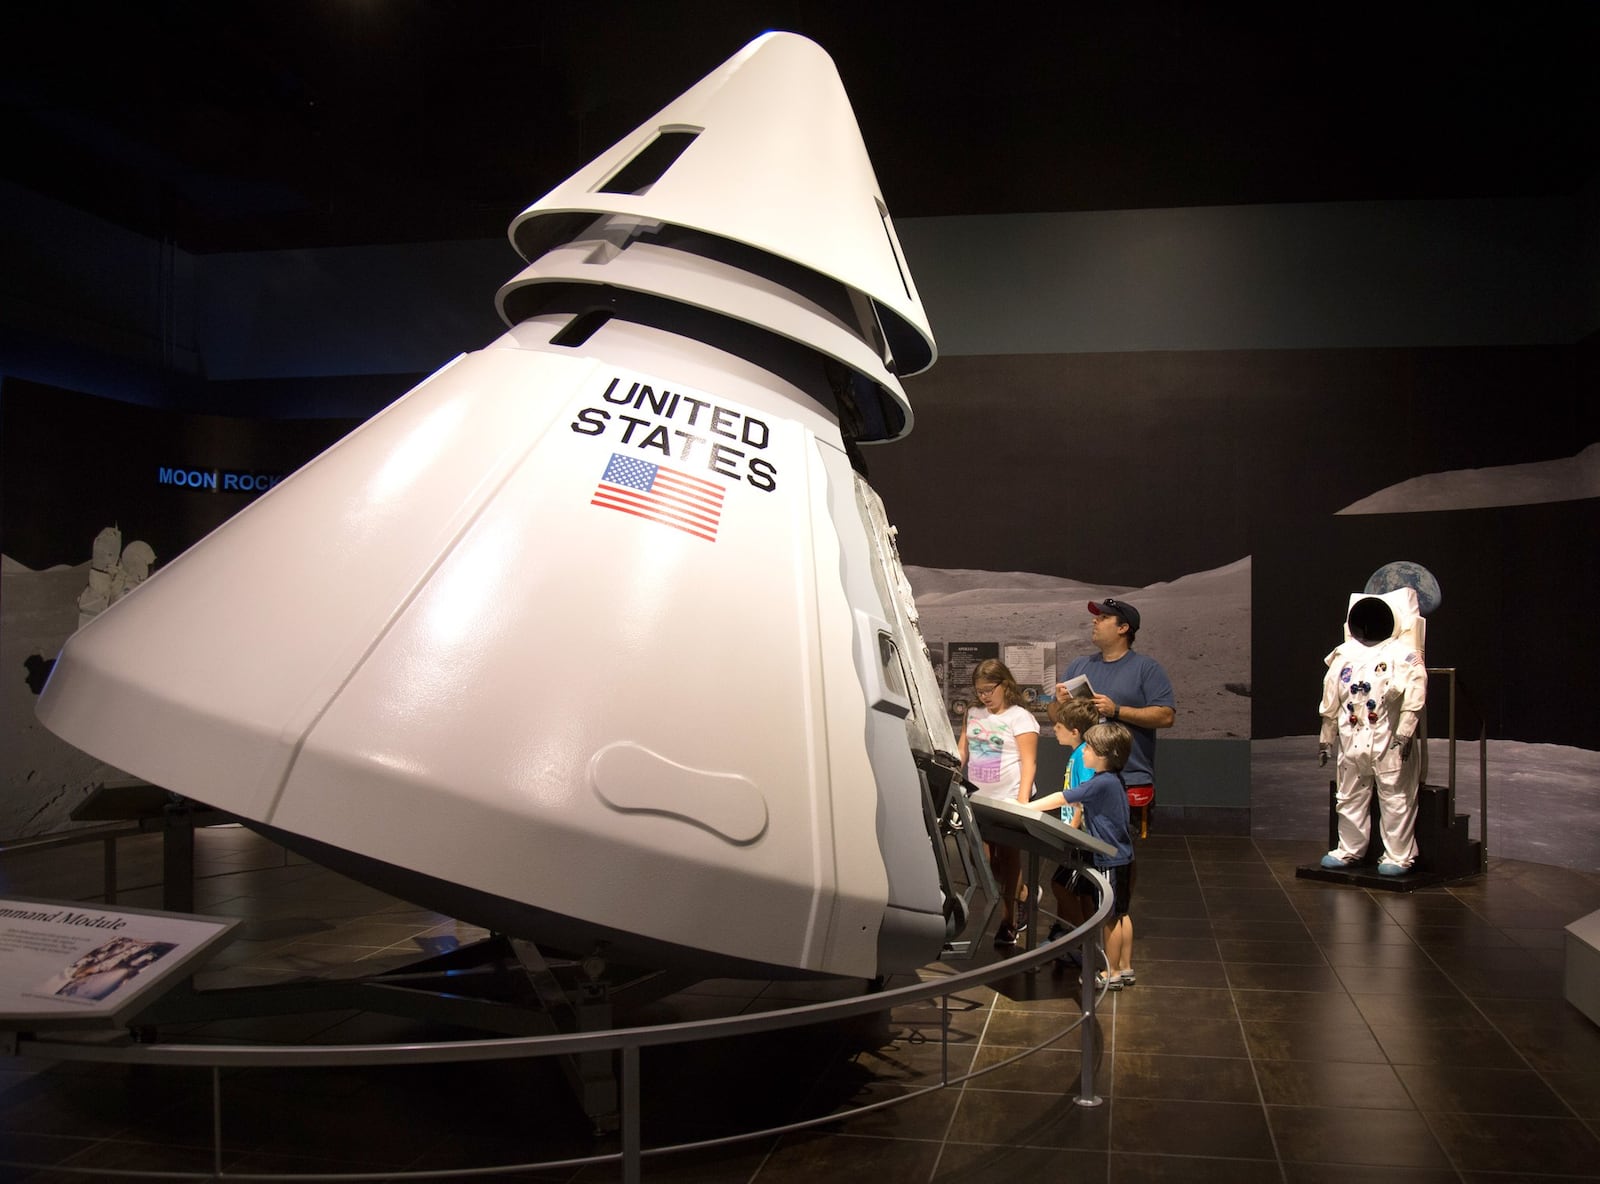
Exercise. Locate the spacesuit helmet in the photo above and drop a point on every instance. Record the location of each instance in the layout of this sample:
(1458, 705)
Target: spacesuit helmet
(1371, 621)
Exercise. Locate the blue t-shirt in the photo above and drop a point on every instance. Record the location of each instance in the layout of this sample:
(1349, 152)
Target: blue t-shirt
(1133, 680)
(1105, 804)
(1077, 771)
(1077, 774)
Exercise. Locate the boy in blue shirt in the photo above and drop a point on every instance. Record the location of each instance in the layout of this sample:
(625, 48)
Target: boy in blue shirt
(1105, 802)
(1072, 717)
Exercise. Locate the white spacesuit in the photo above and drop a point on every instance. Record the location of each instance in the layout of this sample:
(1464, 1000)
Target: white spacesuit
(1372, 700)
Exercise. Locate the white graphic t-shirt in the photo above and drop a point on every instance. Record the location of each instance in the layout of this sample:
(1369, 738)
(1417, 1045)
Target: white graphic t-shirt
(993, 764)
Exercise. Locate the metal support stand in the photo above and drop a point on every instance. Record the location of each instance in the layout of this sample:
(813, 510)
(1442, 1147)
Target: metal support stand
(108, 868)
(958, 854)
(177, 858)
(1040, 835)
(1086, 1096)
(583, 1008)
(631, 1145)
(1091, 952)
(1031, 940)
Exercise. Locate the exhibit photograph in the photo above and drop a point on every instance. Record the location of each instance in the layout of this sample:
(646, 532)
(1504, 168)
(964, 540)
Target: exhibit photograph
(659, 593)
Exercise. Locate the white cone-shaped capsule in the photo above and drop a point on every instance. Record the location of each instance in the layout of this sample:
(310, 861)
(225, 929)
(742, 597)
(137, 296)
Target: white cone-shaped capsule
(595, 636)
(764, 152)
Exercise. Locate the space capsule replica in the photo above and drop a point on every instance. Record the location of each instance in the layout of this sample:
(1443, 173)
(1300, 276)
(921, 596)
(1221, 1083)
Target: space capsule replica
(597, 637)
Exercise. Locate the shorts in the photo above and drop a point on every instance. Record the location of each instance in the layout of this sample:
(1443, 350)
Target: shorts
(1121, 878)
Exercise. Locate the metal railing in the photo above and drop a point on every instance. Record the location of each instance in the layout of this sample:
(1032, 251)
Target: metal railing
(627, 1042)
(1455, 690)
(107, 834)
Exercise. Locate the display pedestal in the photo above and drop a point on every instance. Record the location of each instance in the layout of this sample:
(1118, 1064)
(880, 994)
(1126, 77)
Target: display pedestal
(1581, 983)
(1444, 852)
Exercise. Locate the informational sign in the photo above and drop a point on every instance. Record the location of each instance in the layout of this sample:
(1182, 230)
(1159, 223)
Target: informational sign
(962, 659)
(64, 964)
(1032, 664)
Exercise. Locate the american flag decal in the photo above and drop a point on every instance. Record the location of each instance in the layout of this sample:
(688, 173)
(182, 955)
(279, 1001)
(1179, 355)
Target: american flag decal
(660, 494)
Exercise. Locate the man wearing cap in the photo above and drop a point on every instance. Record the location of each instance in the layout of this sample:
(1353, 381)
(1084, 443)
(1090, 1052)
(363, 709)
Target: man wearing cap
(1130, 688)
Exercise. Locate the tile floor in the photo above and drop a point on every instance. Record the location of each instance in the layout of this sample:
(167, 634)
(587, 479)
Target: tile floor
(1281, 1030)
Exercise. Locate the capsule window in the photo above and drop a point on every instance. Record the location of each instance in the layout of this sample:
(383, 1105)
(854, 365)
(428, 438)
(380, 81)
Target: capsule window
(894, 248)
(894, 675)
(581, 327)
(650, 163)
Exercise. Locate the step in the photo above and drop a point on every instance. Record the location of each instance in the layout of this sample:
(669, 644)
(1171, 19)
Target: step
(1445, 852)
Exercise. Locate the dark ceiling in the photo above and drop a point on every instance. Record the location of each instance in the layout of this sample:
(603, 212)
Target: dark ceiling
(234, 125)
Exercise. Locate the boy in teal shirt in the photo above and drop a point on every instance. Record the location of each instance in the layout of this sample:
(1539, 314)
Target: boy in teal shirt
(1072, 717)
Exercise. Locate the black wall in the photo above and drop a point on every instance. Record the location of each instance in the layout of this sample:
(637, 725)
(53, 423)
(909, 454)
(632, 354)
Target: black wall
(1166, 463)
(76, 463)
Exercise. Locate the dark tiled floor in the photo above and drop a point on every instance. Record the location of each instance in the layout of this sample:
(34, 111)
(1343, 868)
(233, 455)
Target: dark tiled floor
(1282, 1030)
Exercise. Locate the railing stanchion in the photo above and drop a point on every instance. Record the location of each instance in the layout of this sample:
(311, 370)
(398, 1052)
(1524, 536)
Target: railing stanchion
(108, 868)
(630, 1114)
(216, 1119)
(1089, 952)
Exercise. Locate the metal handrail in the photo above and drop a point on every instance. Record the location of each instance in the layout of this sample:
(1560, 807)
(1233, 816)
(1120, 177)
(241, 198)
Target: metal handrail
(108, 834)
(626, 1041)
(68, 838)
(1483, 759)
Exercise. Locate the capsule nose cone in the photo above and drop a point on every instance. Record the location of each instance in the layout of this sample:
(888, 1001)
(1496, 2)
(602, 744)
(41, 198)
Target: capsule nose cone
(764, 151)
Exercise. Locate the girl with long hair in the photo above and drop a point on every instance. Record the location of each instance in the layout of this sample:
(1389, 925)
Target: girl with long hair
(999, 752)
